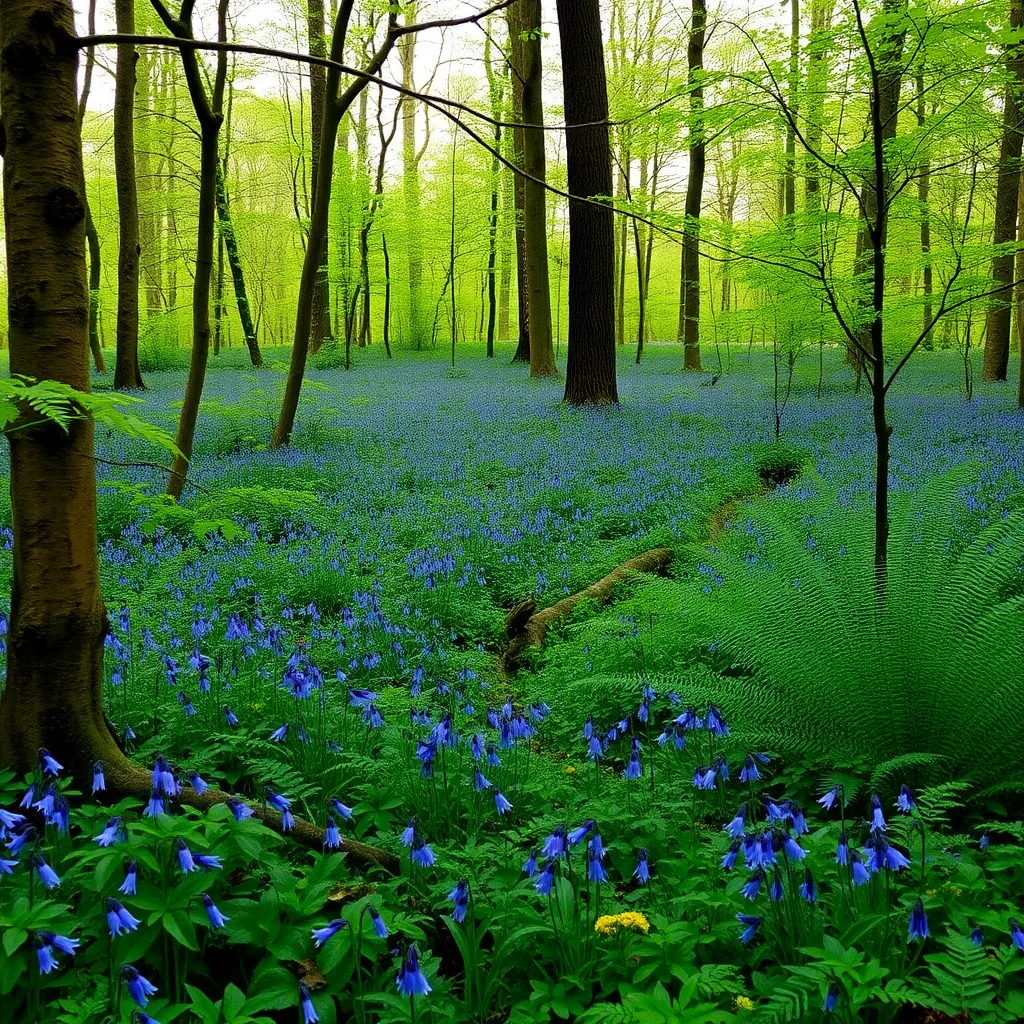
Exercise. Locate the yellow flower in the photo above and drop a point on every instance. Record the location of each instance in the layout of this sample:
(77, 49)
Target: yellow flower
(627, 921)
(742, 1003)
(570, 770)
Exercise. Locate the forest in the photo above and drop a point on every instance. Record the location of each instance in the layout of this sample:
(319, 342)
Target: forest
(514, 511)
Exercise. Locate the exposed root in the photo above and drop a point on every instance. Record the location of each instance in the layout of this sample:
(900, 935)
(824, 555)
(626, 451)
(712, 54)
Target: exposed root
(531, 632)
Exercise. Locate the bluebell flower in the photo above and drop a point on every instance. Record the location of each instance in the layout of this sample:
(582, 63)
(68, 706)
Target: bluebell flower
(880, 855)
(538, 712)
(49, 765)
(60, 942)
(237, 629)
(555, 844)
(332, 837)
(752, 886)
(842, 849)
(751, 924)
(493, 760)
(208, 861)
(279, 734)
(215, 917)
(480, 783)
(283, 805)
(809, 890)
(918, 926)
(239, 810)
(643, 712)
(459, 898)
(831, 998)
(230, 717)
(776, 892)
(977, 937)
(828, 800)
(340, 808)
(45, 802)
(577, 835)
(44, 956)
(138, 1017)
(163, 778)
(113, 832)
(643, 871)
(905, 802)
(7, 866)
(421, 854)
(409, 833)
(27, 800)
(859, 873)
(411, 981)
(728, 862)
(46, 874)
(1016, 934)
(185, 860)
(309, 1014)
(328, 931)
(796, 818)
(129, 733)
(197, 782)
(588, 727)
(139, 988)
(501, 804)
(877, 819)
(99, 783)
(704, 778)
(749, 772)
(530, 867)
(546, 879)
(715, 723)
(118, 919)
(735, 827)
(61, 814)
(379, 927)
(984, 842)
(595, 749)
(128, 886)
(633, 769)
(595, 869)
(792, 849)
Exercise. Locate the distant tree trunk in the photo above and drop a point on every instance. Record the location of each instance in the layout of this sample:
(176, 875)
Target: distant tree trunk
(514, 16)
(418, 328)
(126, 368)
(387, 295)
(590, 373)
(363, 173)
(218, 297)
(997, 323)
(227, 233)
(621, 246)
(53, 691)
(817, 79)
(689, 285)
(149, 257)
(320, 320)
(495, 92)
(923, 183)
(789, 188)
(542, 354)
(335, 108)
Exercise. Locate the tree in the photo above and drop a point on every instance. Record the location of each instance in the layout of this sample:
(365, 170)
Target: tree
(689, 284)
(495, 89)
(542, 354)
(997, 332)
(514, 18)
(590, 372)
(320, 319)
(126, 368)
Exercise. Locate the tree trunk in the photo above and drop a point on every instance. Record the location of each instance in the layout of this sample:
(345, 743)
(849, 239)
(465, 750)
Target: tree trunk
(590, 372)
(227, 233)
(387, 295)
(126, 368)
(418, 329)
(149, 255)
(320, 319)
(689, 285)
(218, 295)
(997, 326)
(93, 240)
(789, 188)
(515, 21)
(542, 355)
(923, 184)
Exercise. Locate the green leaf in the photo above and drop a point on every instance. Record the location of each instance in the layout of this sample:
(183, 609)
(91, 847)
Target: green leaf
(13, 938)
(180, 928)
(273, 989)
(233, 1001)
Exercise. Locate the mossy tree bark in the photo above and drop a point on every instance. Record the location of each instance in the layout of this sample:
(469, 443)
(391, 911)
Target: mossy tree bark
(320, 318)
(590, 374)
(126, 368)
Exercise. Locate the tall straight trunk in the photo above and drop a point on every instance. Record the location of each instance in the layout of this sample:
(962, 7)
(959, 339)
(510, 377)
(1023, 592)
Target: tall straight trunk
(689, 284)
(227, 234)
(419, 328)
(542, 354)
(386, 328)
(208, 113)
(789, 189)
(514, 17)
(126, 369)
(622, 248)
(363, 159)
(923, 185)
(149, 256)
(218, 297)
(590, 373)
(497, 104)
(171, 195)
(320, 321)
(997, 322)
(817, 80)
(53, 692)
(335, 108)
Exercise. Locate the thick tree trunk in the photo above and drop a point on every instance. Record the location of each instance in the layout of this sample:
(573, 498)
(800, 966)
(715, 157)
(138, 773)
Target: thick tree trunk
(126, 368)
(227, 233)
(542, 354)
(93, 241)
(320, 319)
(689, 284)
(515, 20)
(997, 322)
(590, 373)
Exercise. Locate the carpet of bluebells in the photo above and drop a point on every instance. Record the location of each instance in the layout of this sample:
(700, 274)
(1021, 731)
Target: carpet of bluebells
(316, 631)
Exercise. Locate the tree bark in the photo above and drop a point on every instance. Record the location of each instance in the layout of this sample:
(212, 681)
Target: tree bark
(542, 354)
(497, 103)
(789, 188)
(320, 319)
(997, 321)
(514, 17)
(590, 372)
(149, 254)
(418, 329)
(689, 285)
(923, 185)
(127, 375)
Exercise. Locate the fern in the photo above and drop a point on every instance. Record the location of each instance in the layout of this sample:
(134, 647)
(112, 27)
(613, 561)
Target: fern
(960, 982)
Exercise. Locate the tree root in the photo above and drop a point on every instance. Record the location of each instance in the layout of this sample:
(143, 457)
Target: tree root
(527, 628)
